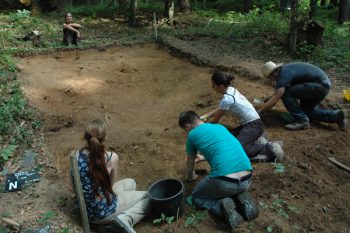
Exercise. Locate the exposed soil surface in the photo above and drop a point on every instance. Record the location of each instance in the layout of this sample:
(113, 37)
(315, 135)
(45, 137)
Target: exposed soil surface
(140, 91)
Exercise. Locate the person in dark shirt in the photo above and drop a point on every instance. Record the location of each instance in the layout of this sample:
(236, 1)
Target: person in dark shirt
(301, 86)
(71, 33)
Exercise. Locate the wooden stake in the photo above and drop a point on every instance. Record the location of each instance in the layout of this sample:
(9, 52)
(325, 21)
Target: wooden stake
(79, 191)
(155, 25)
(3, 41)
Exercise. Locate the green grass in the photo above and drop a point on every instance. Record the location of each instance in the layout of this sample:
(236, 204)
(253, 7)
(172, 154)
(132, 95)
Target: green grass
(16, 118)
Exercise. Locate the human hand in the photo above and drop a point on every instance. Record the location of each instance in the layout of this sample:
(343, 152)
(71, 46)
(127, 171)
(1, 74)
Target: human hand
(204, 118)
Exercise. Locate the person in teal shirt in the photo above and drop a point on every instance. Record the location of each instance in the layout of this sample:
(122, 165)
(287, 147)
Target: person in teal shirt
(224, 191)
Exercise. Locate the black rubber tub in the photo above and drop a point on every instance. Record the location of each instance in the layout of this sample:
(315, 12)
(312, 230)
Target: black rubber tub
(167, 197)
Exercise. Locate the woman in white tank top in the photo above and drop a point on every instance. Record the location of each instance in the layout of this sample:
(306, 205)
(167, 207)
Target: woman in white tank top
(250, 128)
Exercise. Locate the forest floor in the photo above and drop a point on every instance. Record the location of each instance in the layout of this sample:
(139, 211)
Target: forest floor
(140, 90)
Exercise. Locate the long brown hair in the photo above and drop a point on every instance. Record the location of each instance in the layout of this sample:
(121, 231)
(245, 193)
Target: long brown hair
(95, 134)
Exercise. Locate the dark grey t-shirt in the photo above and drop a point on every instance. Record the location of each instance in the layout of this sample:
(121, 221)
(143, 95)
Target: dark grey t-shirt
(299, 73)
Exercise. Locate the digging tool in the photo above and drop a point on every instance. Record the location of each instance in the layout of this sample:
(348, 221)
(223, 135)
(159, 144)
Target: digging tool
(11, 222)
(339, 164)
(27, 162)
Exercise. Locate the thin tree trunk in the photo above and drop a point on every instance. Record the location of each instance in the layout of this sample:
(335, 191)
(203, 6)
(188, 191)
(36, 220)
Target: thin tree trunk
(343, 15)
(293, 29)
(334, 2)
(133, 7)
(169, 8)
(184, 5)
(123, 4)
(313, 5)
(248, 5)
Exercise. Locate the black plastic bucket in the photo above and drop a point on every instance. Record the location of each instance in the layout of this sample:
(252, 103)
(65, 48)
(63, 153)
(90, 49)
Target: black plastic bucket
(167, 197)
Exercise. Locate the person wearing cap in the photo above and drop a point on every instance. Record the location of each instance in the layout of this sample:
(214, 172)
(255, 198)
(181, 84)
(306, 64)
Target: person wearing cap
(224, 191)
(301, 86)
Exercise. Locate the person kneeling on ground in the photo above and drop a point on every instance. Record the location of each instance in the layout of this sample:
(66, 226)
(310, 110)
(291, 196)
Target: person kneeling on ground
(251, 128)
(71, 32)
(108, 201)
(301, 86)
(224, 192)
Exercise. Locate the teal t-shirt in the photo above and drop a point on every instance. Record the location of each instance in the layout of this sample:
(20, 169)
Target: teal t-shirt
(220, 148)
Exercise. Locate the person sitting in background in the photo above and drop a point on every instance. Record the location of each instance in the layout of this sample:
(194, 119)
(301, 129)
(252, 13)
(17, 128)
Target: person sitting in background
(224, 192)
(251, 129)
(108, 200)
(71, 32)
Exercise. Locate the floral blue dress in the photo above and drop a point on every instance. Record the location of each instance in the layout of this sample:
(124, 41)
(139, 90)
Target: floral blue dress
(96, 206)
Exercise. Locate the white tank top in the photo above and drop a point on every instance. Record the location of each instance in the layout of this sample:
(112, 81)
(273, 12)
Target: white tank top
(239, 106)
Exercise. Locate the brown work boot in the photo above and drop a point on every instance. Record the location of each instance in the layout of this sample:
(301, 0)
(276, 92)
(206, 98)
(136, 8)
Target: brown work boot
(342, 120)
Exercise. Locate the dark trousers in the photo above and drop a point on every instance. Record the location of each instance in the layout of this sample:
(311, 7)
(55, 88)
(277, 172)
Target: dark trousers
(69, 37)
(248, 135)
(302, 102)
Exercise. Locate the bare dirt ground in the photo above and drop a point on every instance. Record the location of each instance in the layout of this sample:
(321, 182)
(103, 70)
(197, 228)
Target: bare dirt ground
(140, 91)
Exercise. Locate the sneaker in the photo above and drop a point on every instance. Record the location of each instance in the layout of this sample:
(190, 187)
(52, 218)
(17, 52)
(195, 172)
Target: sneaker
(259, 158)
(230, 214)
(342, 120)
(262, 140)
(116, 225)
(298, 125)
(277, 151)
(246, 206)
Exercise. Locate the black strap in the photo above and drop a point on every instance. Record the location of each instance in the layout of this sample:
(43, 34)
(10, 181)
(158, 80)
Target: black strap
(234, 99)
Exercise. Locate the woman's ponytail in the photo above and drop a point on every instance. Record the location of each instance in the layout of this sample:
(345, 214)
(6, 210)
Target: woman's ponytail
(95, 135)
(220, 78)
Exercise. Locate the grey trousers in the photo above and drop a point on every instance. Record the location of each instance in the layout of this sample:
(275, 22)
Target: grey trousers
(248, 135)
(209, 192)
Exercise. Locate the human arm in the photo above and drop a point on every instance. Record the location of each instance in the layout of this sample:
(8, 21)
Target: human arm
(71, 28)
(276, 96)
(190, 174)
(114, 168)
(75, 25)
(214, 115)
(209, 115)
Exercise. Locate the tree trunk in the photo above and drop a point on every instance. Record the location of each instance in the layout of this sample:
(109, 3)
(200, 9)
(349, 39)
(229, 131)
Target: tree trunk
(293, 28)
(248, 5)
(313, 5)
(184, 5)
(343, 15)
(133, 7)
(323, 2)
(334, 2)
(123, 4)
(169, 8)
